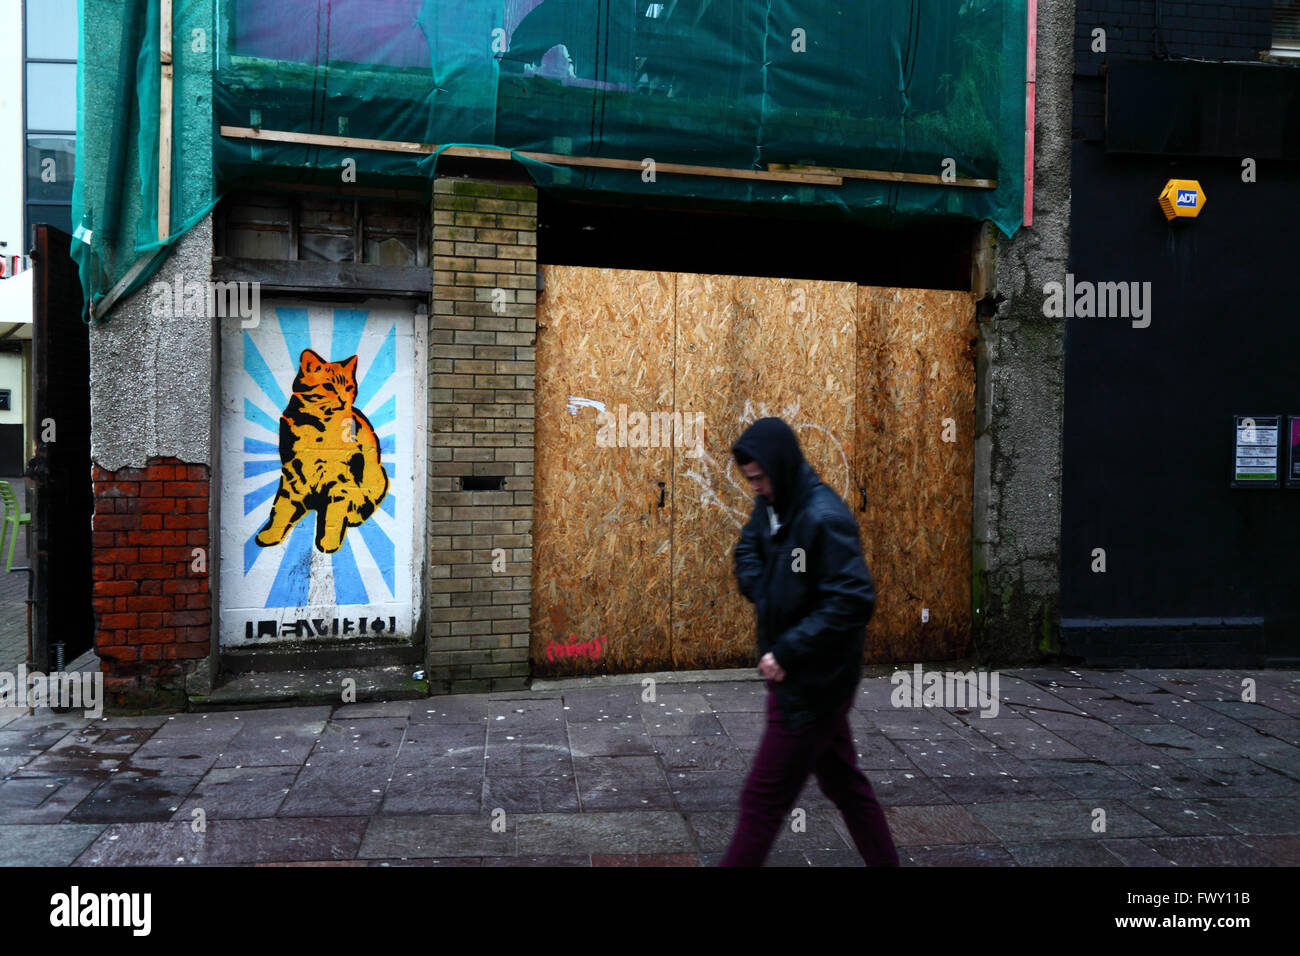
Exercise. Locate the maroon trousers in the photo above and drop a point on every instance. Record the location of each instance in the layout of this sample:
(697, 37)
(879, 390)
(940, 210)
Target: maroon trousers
(784, 760)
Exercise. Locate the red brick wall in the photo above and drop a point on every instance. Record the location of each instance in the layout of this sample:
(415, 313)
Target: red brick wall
(153, 611)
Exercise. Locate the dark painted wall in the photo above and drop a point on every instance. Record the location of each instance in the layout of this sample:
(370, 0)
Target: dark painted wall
(1148, 435)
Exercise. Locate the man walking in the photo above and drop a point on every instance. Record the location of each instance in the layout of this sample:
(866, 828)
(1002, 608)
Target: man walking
(800, 563)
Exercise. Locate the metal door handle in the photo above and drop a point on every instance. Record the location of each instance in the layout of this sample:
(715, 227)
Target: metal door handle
(662, 492)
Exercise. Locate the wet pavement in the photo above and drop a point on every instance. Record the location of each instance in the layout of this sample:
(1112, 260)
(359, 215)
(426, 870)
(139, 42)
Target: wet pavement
(1079, 768)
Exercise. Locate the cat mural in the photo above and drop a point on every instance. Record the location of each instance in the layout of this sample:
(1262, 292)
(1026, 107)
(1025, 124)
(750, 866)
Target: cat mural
(329, 455)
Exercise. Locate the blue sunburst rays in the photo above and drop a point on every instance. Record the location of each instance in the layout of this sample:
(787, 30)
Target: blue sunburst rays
(382, 368)
(370, 554)
(296, 329)
(261, 373)
(293, 577)
(258, 416)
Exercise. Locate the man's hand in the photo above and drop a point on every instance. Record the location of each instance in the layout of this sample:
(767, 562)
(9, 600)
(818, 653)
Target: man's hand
(770, 669)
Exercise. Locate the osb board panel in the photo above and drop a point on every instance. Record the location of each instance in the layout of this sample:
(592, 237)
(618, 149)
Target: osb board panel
(748, 348)
(601, 541)
(915, 369)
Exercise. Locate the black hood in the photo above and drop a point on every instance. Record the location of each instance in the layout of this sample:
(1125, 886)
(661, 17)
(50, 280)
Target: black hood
(772, 443)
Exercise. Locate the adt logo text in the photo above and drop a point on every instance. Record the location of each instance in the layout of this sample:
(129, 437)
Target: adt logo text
(1186, 197)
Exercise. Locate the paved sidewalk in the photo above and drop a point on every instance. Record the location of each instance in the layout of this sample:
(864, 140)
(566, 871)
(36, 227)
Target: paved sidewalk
(1185, 773)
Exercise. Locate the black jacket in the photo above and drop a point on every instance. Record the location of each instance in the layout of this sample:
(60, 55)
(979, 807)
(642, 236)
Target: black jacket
(811, 590)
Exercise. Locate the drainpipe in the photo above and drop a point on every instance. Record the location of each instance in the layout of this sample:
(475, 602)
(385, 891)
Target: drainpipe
(1031, 77)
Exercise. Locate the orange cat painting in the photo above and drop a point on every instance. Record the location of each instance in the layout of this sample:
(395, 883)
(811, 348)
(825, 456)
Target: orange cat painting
(329, 456)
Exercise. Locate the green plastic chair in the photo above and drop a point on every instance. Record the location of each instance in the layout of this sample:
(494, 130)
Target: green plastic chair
(13, 519)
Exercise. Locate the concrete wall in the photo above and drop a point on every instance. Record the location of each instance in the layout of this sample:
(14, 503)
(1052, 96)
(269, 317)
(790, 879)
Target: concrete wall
(151, 385)
(1020, 400)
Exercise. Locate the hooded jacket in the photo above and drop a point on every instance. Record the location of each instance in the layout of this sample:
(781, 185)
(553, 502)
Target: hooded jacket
(812, 592)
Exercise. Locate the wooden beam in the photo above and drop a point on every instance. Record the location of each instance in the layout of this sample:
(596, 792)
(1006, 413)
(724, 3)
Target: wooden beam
(314, 276)
(165, 120)
(110, 298)
(810, 176)
(928, 179)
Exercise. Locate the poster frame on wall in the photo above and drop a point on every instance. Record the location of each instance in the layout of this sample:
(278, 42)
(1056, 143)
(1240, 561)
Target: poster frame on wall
(1292, 452)
(412, 626)
(1241, 425)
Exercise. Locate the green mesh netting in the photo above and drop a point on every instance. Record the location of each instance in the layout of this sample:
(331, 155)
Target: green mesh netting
(912, 86)
(115, 196)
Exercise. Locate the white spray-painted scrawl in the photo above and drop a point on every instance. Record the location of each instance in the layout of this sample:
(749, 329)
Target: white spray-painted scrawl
(707, 470)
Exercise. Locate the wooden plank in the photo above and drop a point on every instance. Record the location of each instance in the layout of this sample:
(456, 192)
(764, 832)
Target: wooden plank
(809, 176)
(916, 371)
(928, 179)
(748, 348)
(601, 541)
(165, 120)
(310, 275)
(319, 139)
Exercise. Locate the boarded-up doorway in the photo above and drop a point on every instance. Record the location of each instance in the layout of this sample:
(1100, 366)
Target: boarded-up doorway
(634, 527)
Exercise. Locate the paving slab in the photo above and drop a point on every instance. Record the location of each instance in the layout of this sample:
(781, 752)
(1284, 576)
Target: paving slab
(528, 754)
(429, 790)
(225, 842)
(707, 789)
(531, 794)
(55, 844)
(1025, 739)
(1177, 780)
(361, 737)
(737, 698)
(337, 787)
(700, 753)
(899, 787)
(935, 825)
(1177, 741)
(265, 744)
(985, 789)
(599, 778)
(129, 797)
(239, 793)
(1180, 817)
(1136, 852)
(43, 799)
(1208, 851)
(617, 832)
(1283, 850)
(1260, 815)
(545, 713)
(1063, 853)
(645, 859)
(1050, 820)
(450, 835)
(612, 738)
(980, 854)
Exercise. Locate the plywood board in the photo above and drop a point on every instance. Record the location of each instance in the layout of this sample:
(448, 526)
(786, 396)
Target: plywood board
(601, 540)
(916, 387)
(748, 348)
